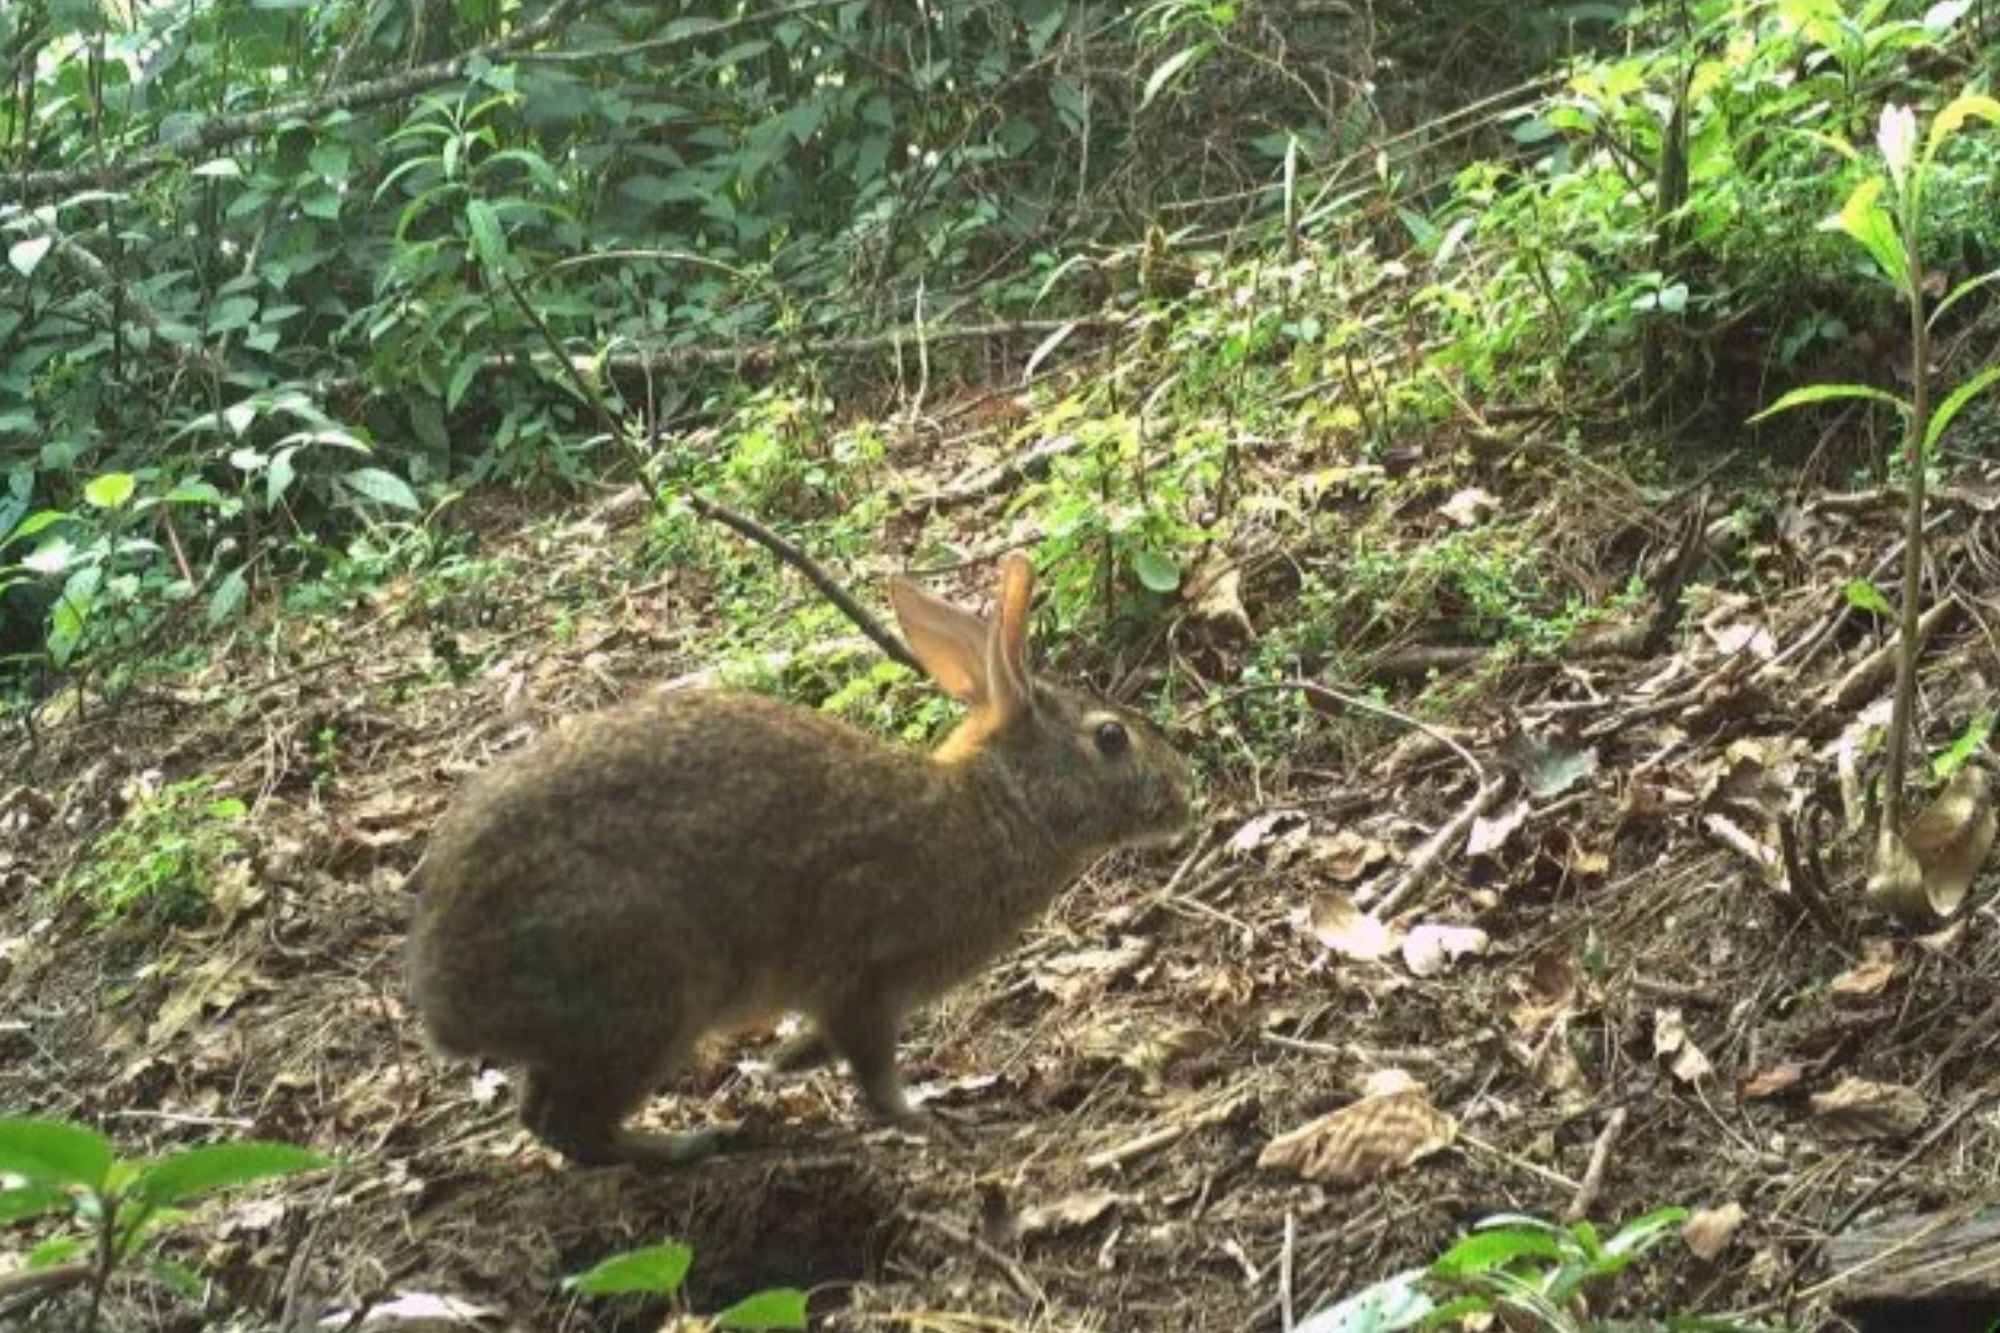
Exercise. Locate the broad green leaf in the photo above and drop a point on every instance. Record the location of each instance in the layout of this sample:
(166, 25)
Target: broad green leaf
(26, 256)
(1642, 1233)
(1865, 596)
(781, 1307)
(219, 168)
(111, 490)
(1158, 573)
(1970, 742)
(1484, 1251)
(657, 1270)
(53, 1152)
(31, 525)
(228, 596)
(1964, 107)
(1955, 402)
(487, 237)
(32, 1201)
(1169, 67)
(373, 483)
(1864, 218)
(462, 376)
(1827, 393)
(198, 1171)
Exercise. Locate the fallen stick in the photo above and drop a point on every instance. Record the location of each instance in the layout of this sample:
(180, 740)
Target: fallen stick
(1592, 1185)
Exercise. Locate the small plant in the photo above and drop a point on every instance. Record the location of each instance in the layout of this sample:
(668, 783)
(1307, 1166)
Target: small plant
(1892, 235)
(120, 1204)
(161, 860)
(659, 1270)
(1511, 1266)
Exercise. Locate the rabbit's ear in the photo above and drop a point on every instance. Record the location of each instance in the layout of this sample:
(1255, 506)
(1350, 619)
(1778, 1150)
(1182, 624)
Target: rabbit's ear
(1010, 687)
(950, 642)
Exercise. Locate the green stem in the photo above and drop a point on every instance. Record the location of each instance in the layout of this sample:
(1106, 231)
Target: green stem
(1897, 759)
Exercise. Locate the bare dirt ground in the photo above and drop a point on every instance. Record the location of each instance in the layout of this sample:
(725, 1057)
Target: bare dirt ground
(1641, 954)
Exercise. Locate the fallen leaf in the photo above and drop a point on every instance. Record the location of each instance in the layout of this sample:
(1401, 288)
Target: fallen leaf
(1429, 950)
(1071, 976)
(1939, 942)
(1710, 1230)
(1869, 977)
(1743, 637)
(214, 984)
(1215, 592)
(1670, 1038)
(1550, 768)
(1347, 855)
(1271, 833)
(1373, 1138)
(1776, 1081)
(1072, 1212)
(1952, 837)
(1489, 835)
(1355, 935)
(1859, 1109)
(1470, 507)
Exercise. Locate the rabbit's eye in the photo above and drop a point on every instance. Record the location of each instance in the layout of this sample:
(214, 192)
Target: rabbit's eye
(1112, 739)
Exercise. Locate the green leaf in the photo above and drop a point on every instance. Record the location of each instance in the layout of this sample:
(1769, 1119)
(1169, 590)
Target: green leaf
(1169, 67)
(781, 1307)
(1865, 596)
(1969, 742)
(54, 1152)
(1826, 393)
(1959, 293)
(26, 256)
(228, 595)
(1964, 107)
(1484, 1251)
(1158, 573)
(1865, 219)
(656, 1270)
(462, 376)
(1954, 403)
(31, 525)
(1642, 1233)
(1388, 1306)
(32, 1201)
(111, 490)
(178, 1277)
(373, 483)
(56, 1250)
(198, 1171)
(487, 236)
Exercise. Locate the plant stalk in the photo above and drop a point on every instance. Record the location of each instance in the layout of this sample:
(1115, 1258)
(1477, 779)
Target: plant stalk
(1897, 759)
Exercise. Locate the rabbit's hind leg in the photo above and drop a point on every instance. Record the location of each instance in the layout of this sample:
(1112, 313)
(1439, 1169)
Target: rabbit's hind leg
(864, 1031)
(579, 1108)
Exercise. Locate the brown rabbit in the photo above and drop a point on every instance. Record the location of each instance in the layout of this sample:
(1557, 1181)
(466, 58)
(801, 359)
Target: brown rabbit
(703, 860)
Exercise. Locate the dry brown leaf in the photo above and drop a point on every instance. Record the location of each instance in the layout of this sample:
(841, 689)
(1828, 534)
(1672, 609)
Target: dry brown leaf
(1470, 507)
(1430, 949)
(1374, 1137)
(1071, 976)
(1490, 835)
(1869, 977)
(1275, 836)
(1072, 1212)
(1943, 942)
(1776, 1081)
(1710, 1230)
(1355, 935)
(1347, 855)
(1923, 875)
(214, 984)
(1860, 1109)
(1670, 1038)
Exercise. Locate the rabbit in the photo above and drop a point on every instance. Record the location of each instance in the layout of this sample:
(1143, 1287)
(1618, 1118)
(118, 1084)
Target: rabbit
(707, 860)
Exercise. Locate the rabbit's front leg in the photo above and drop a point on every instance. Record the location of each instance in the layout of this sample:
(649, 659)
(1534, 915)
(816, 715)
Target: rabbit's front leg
(864, 1031)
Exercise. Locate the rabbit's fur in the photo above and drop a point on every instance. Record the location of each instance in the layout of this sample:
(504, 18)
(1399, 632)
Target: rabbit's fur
(705, 860)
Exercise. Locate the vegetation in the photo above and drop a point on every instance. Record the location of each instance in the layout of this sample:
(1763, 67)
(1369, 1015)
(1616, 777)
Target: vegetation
(121, 1205)
(1446, 352)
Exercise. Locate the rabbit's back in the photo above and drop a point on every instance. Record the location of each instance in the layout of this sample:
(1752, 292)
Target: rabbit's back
(714, 853)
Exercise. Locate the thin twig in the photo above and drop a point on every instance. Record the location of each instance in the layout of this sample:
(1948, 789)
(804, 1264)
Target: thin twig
(824, 582)
(1592, 1185)
(1017, 1276)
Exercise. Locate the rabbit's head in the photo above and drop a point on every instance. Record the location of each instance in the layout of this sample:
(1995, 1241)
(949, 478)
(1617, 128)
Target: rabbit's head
(1093, 775)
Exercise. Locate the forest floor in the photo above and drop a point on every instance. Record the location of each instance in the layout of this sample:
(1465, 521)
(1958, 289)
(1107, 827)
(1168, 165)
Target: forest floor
(1628, 968)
